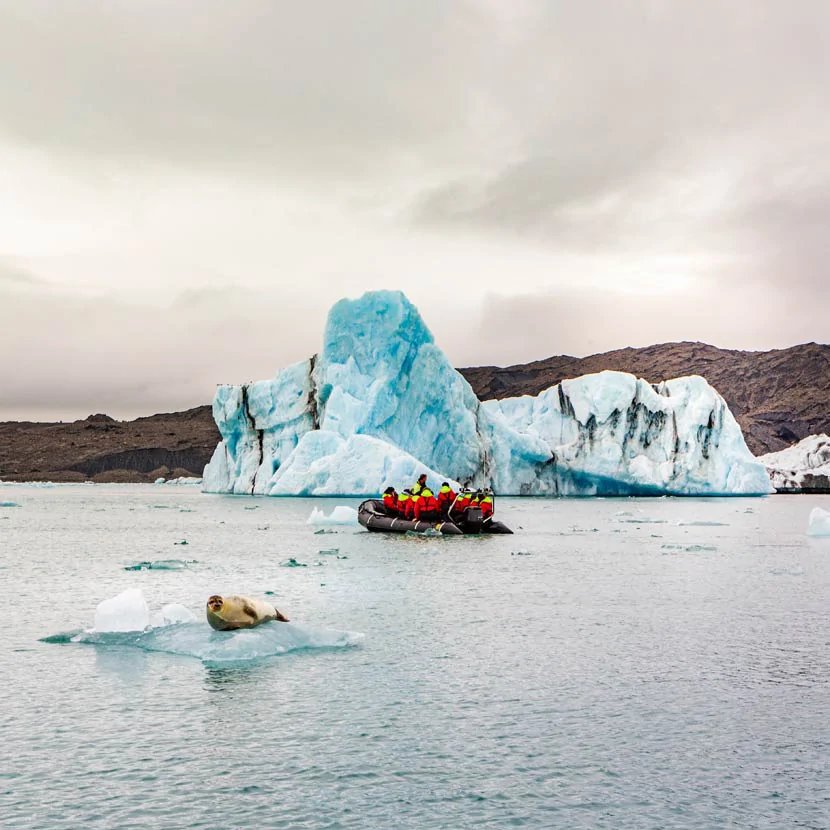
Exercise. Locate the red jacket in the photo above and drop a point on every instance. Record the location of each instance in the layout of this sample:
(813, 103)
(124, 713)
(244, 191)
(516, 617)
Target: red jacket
(390, 502)
(486, 505)
(426, 504)
(446, 496)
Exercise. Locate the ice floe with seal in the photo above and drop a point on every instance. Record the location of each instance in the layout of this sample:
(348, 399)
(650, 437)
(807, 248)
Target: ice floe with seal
(126, 621)
(819, 523)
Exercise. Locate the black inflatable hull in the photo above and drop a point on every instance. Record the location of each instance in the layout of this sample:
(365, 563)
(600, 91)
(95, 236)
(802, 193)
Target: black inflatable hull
(373, 516)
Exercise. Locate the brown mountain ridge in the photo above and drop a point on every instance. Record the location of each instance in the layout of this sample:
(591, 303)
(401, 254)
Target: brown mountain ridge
(778, 397)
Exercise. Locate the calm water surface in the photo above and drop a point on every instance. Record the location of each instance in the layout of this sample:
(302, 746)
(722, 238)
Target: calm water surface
(617, 663)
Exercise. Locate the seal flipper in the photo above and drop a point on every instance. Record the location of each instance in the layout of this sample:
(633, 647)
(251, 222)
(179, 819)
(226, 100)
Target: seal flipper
(246, 609)
(280, 617)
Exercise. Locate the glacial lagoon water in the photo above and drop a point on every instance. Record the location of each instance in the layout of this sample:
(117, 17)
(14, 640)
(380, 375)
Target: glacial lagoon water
(617, 663)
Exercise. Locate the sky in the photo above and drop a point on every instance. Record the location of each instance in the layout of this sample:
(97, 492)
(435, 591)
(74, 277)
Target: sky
(187, 187)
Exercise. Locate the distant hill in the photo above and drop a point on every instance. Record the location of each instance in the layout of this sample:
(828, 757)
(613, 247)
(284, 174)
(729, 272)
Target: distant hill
(778, 397)
(105, 450)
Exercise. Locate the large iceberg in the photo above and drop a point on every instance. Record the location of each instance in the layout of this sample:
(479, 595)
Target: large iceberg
(804, 466)
(381, 404)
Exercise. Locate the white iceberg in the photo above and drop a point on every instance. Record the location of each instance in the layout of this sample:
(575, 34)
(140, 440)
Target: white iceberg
(126, 612)
(341, 515)
(805, 465)
(381, 404)
(819, 524)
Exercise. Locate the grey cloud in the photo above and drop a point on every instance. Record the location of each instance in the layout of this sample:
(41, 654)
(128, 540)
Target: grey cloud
(66, 354)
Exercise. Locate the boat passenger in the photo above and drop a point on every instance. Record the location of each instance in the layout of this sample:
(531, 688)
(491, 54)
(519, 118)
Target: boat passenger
(461, 503)
(446, 496)
(409, 511)
(390, 500)
(486, 504)
(426, 506)
(419, 485)
(404, 500)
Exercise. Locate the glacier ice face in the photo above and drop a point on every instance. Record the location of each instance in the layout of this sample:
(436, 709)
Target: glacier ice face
(804, 466)
(381, 404)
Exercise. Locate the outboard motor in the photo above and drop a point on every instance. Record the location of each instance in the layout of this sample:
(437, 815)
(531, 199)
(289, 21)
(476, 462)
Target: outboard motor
(473, 520)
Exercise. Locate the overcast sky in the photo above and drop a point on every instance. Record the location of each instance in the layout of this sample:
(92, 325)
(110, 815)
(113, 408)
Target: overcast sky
(186, 186)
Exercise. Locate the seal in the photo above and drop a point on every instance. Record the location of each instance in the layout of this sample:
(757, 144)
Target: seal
(230, 613)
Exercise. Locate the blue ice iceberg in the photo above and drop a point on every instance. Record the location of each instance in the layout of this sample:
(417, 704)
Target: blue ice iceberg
(381, 404)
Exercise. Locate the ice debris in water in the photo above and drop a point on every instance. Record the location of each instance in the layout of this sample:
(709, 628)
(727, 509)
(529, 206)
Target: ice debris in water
(341, 515)
(702, 524)
(9, 504)
(160, 565)
(293, 563)
(689, 548)
(819, 524)
(125, 621)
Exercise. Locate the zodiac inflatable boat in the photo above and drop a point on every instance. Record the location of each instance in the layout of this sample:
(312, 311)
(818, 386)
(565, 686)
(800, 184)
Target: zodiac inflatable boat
(374, 516)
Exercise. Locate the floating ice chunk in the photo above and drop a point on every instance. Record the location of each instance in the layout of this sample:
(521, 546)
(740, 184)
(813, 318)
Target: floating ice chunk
(172, 614)
(341, 515)
(819, 524)
(218, 648)
(126, 612)
(159, 565)
(160, 480)
(9, 504)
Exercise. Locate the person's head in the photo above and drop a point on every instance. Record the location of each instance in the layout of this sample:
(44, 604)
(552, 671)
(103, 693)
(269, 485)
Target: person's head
(422, 479)
(388, 491)
(407, 492)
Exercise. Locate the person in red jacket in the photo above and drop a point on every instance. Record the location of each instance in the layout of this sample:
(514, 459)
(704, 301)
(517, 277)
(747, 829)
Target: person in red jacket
(446, 496)
(390, 501)
(411, 504)
(404, 500)
(486, 504)
(426, 506)
(461, 503)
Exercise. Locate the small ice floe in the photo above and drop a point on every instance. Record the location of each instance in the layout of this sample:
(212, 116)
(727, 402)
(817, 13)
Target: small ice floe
(702, 524)
(182, 542)
(644, 520)
(293, 563)
(687, 548)
(126, 621)
(341, 515)
(328, 552)
(819, 524)
(9, 504)
(160, 565)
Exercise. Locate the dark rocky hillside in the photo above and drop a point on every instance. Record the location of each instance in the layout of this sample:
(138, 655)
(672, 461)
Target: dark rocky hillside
(102, 449)
(778, 397)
